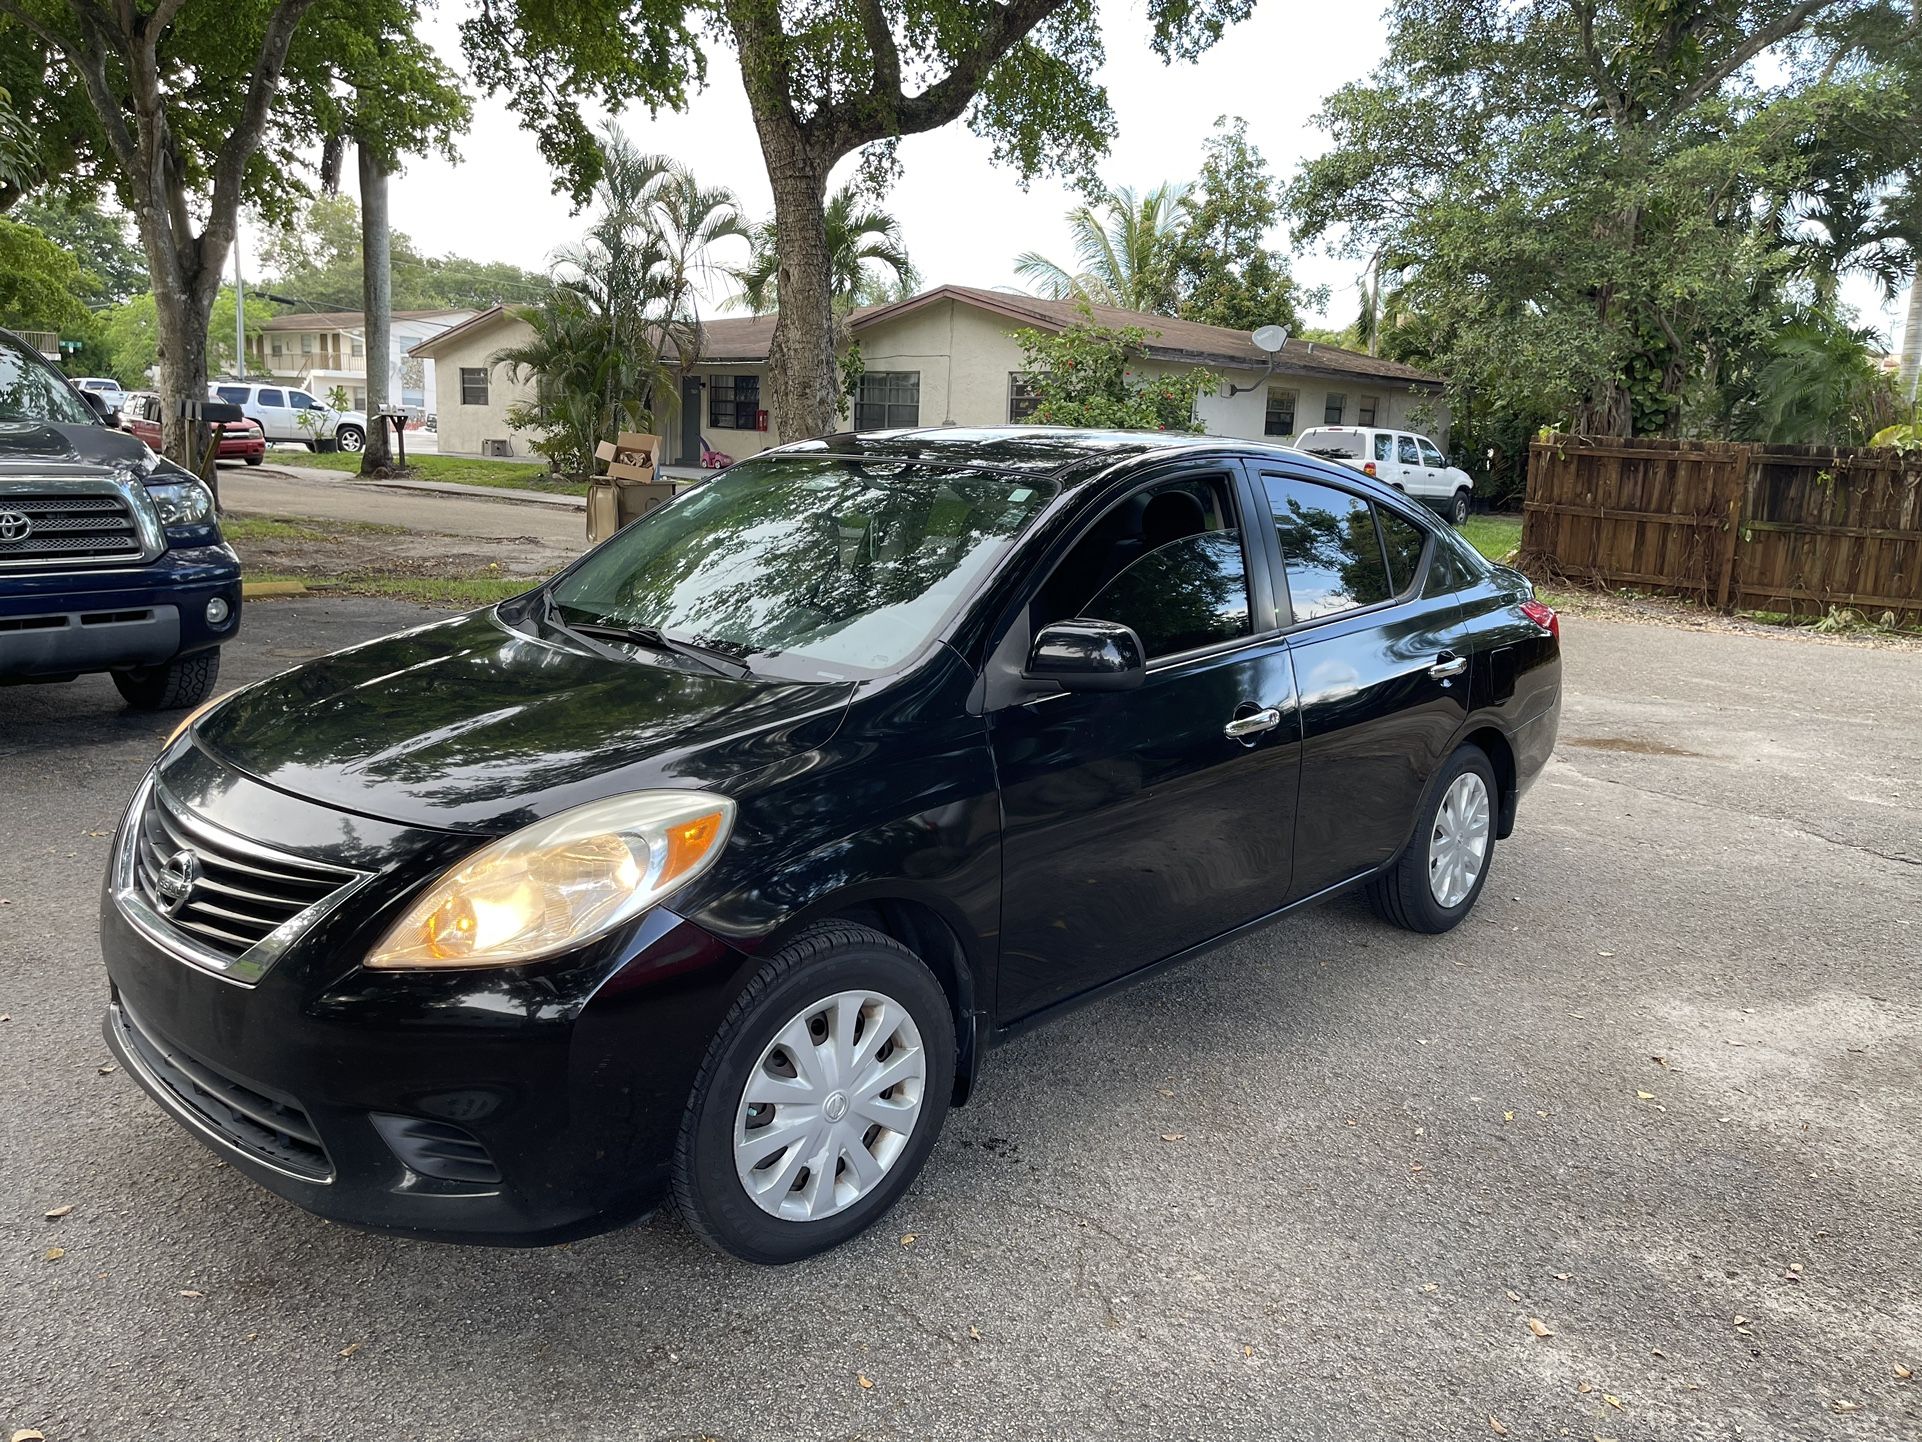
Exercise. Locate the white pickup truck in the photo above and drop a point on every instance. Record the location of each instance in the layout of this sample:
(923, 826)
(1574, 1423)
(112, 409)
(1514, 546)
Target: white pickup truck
(1410, 463)
(287, 413)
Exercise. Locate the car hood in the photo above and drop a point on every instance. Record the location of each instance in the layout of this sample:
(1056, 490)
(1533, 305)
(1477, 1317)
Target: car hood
(469, 724)
(40, 449)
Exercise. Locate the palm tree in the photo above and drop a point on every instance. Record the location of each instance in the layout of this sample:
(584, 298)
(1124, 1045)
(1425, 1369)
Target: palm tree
(1124, 252)
(689, 219)
(867, 258)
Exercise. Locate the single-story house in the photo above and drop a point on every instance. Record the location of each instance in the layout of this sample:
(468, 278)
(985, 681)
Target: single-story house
(947, 356)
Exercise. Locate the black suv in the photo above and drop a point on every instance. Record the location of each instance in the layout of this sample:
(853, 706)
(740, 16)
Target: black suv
(719, 863)
(111, 558)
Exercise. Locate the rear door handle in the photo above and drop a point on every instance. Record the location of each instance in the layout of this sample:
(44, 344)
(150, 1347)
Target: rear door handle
(1244, 726)
(1448, 664)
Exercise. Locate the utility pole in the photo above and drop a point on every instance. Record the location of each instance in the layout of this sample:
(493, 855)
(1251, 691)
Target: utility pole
(377, 302)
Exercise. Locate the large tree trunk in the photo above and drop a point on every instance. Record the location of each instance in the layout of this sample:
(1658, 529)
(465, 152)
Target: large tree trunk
(183, 308)
(803, 374)
(377, 301)
(1910, 374)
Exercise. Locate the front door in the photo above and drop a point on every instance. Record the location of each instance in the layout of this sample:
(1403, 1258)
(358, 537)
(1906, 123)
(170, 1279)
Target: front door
(690, 421)
(1134, 826)
(1383, 672)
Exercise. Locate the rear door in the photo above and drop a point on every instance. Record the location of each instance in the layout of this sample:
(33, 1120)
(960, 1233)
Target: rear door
(1382, 668)
(276, 417)
(1135, 826)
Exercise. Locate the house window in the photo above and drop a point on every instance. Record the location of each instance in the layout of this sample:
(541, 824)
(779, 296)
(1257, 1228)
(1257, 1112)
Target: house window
(277, 345)
(887, 400)
(1022, 396)
(473, 385)
(306, 345)
(1331, 412)
(360, 398)
(357, 346)
(1365, 410)
(734, 403)
(1281, 413)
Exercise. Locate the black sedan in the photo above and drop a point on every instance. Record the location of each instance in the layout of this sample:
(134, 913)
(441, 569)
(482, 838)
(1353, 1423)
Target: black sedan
(716, 866)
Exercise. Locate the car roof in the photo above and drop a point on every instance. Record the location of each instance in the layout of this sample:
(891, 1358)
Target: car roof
(1063, 453)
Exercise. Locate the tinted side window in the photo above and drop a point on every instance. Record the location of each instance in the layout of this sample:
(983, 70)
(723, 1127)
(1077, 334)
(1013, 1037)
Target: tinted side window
(1406, 541)
(1456, 565)
(1409, 455)
(1329, 547)
(301, 401)
(1429, 455)
(271, 398)
(234, 395)
(1188, 593)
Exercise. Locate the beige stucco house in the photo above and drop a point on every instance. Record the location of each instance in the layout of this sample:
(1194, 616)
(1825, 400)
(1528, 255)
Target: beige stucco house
(948, 356)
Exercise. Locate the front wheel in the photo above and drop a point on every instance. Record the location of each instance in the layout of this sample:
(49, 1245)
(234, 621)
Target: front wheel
(1435, 883)
(819, 1098)
(1458, 508)
(350, 438)
(254, 460)
(182, 682)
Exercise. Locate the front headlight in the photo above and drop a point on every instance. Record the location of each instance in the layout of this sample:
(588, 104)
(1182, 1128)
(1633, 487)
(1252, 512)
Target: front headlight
(560, 882)
(184, 503)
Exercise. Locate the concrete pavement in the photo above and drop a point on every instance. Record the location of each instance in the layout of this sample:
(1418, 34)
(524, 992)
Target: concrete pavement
(327, 495)
(1658, 1093)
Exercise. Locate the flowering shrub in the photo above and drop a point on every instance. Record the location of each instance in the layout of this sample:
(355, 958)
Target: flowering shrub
(1084, 375)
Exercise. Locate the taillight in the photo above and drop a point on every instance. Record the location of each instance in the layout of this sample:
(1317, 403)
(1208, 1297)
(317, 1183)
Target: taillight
(1543, 616)
(1368, 468)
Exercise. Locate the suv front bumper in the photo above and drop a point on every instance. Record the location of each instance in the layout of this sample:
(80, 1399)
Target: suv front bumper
(79, 621)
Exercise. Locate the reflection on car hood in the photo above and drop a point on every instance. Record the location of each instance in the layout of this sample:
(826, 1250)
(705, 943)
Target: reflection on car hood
(469, 724)
(45, 448)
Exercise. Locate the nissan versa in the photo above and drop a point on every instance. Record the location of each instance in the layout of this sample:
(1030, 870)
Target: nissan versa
(714, 867)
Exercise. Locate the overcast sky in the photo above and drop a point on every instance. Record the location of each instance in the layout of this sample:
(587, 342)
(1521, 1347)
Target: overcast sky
(964, 220)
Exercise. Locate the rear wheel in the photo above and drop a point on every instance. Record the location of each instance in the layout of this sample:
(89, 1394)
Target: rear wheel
(182, 682)
(350, 438)
(819, 1098)
(1435, 883)
(1458, 508)
(255, 460)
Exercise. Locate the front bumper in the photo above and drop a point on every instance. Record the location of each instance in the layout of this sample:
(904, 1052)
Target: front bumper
(103, 620)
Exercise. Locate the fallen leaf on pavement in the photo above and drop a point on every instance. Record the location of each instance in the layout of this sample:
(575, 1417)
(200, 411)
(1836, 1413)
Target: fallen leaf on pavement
(54, 1254)
(1539, 1327)
(1612, 1400)
(1495, 1425)
(908, 1239)
(350, 1349)
(58, 1212)
(1646, 1096)
(1903, 1373)
(106, 1070)
(974, 1334)
(1247, 1351)
(1848, 1406)
(1174, 1136)
(1740, 1320)
(1167, 1091)
(867, 1382)
(190, 1292)
(1514, 1296)
(1431, 1286)
(29, 1434)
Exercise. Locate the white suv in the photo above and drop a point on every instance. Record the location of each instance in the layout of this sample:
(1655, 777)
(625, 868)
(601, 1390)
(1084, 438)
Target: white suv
(1410, 463)
(287, 413)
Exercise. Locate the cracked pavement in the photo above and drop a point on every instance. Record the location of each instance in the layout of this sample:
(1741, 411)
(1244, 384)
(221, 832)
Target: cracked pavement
(1659, 1093)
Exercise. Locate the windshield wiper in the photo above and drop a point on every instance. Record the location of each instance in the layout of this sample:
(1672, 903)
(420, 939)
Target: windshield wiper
(658, 640)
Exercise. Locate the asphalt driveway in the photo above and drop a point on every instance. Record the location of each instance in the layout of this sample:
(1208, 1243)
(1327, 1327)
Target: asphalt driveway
(1662, 1094)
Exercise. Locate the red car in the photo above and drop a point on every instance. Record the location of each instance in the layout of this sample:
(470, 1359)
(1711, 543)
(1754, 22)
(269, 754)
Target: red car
(241, 440)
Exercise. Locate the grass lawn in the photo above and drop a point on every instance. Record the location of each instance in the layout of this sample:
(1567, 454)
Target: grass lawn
(277, 528)
(468, 470)
(1494, 536)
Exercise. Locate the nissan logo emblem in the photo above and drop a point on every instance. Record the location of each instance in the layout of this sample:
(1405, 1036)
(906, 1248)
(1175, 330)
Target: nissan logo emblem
(174, 882)
(14, 526)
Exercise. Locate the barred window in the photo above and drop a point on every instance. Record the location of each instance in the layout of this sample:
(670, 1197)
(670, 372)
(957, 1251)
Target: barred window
(1281, 413)
(1022, 396)
(887, 400)
(473, 385)
(734, 403)
(1331, 413)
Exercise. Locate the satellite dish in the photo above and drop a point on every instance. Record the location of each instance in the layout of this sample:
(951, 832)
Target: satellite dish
(1270, 338)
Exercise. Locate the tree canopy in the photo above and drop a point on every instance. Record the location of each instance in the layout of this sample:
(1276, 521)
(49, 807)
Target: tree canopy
(95, 235)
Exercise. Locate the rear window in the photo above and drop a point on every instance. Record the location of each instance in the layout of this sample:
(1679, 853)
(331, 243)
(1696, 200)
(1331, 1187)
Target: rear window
(236, 395)
(1333, 445)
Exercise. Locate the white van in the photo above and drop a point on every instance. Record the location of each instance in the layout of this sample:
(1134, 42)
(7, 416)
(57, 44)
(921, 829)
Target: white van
(1410, 463)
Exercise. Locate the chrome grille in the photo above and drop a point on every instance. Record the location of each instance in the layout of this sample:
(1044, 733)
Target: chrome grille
(225, 892)
(77, 526)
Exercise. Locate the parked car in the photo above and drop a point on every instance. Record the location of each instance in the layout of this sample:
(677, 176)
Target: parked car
(239, 440)
(716, 865)
(111, 559)
(107, 388)
(287, 413)
(1410, 463)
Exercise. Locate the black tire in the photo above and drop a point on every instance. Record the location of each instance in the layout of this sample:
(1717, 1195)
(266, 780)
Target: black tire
(254, 460)
(1458, 509)
(182, 682)
(822, 960)
(350, 438)
(1402, 894)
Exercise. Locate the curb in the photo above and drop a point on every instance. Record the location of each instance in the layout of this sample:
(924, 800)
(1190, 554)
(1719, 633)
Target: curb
(249, 590)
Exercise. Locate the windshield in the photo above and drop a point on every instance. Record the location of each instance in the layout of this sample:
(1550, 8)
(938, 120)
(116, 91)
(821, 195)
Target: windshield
(840, 566)
(32, 390)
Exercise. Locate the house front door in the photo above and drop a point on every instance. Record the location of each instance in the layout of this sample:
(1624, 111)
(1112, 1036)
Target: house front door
(690, 454)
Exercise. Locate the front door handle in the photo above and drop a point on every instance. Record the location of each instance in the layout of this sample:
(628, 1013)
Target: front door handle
(1243, 727)
(1448, 664)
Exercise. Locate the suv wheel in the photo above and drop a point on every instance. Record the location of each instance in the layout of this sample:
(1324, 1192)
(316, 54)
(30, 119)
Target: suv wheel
(1435, 883)
(350, 438)
(1458, 508)
(182, 682)
(819, 1098)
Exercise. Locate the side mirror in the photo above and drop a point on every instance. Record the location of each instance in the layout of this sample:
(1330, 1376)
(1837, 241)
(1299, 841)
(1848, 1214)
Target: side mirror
(100, 407)
(1084, 655)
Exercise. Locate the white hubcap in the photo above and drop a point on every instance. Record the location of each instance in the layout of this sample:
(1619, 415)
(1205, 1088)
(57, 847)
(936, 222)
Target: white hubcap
(1458, 845)
(829, 1107)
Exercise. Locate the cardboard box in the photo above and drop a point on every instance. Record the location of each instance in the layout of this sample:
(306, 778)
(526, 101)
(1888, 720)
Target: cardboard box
(630, 457)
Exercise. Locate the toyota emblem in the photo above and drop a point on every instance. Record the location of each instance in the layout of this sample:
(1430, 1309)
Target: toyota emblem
(15, 526)
(174, 882)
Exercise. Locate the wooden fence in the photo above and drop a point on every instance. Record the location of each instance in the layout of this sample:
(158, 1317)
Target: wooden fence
(1798, 529)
